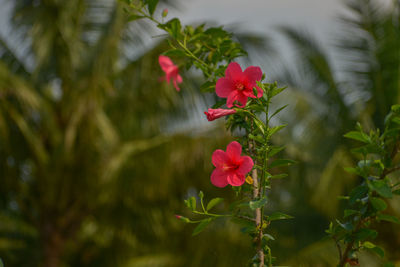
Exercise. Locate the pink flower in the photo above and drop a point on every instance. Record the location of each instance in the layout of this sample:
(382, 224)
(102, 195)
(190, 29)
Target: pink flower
(238, 85)
(171, 71)
(230, 167)
(213, 114)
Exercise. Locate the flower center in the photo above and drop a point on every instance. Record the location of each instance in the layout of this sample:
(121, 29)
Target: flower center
(239, 86)
(230, 167)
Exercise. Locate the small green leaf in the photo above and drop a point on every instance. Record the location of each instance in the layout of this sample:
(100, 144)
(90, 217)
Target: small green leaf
(276, 129)
(201, 226)
(279, 216)
(173, 27)
(365, 233)
(260, 125)
(346, 226)
(281, 162)
(379, 251)
(359, 136)
(277, 111)
(268, 237)
(191, 203)
(388, 218)
(381, 187)
(349, 212)
(134, 17)
(1, 263)
(358, 193)
(378, 203)
(151, 5)
(275, 150)
(213, 202)
(258, 203)
(175, 53)
(368, 244)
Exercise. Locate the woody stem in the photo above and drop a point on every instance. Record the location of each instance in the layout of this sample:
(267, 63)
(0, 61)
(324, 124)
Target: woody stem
(256, 195)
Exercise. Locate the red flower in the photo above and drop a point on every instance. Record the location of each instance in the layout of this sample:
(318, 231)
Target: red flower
(213, 114)
(238, 85)
(230, 166)
(171, 71)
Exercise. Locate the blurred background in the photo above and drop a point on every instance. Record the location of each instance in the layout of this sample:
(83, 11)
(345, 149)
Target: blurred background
(96, 155)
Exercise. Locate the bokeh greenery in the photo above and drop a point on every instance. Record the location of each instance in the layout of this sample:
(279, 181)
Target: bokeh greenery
(96, 155)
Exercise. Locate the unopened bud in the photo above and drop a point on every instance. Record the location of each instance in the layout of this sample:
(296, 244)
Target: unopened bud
(164, 12)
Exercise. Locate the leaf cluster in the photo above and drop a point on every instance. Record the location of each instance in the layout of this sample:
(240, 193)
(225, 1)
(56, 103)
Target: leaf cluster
(366, 203)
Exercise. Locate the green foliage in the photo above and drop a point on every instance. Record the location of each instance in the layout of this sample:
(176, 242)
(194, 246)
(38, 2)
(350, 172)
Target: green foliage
(366, 202)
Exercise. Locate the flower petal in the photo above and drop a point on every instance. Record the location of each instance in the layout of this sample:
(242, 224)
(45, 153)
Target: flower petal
(165, 62)
(235, 179)
(219, 158)
(175, 84)
(224, 87)
(253, 73)
(234, 71)
(232, 97)
(246, 165)
(242, 99)
(219, 178)
(179, 78)
(233, 151)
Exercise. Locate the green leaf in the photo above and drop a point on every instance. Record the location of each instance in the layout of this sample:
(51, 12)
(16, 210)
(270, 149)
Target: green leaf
(359, 136)
(381, 187)
(201, 226)
(275, 150)
(173, 27)
(365, 233)
(374, 248)
(268, 237)
(279, 216)
(213, 202)
(346, 226)
(151, 5)
(277, 111)
(281, 162)
(379, 251)
(134, 17)
(349, 212)
(388, 218)
(368, 244)
(260, 125)
(378, 203)
(358, 193)
(191, 203)
(255, 204)
(175, 52)
(1, 263)
(276, 129)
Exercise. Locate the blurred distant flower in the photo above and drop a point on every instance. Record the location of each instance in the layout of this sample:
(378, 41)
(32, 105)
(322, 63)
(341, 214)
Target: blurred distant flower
(238, 85)
(171, 71)
(164, 12)
(231, 167)
(213, 114)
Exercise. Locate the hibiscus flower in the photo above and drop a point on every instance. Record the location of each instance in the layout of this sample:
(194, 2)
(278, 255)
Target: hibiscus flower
(238, 85)
(230, 166)
(213, 114)
(171, 71)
